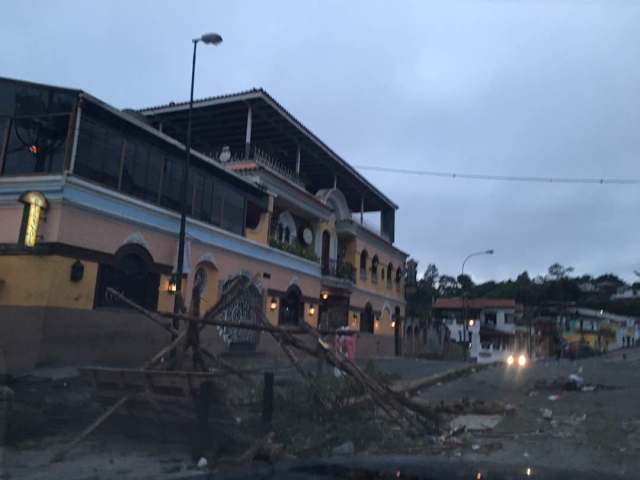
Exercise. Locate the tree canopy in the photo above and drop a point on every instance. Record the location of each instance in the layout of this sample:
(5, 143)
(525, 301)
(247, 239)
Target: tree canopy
(557, 286)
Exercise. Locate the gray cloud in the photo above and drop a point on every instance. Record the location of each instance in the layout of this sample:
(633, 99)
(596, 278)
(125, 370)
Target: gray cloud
(535, 88)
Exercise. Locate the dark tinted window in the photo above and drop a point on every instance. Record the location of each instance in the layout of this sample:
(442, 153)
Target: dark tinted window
(38, 129)
(172, 183)
(233, 211)
(201, 187)
(99, 151)
(253, 215)
(36, 145)
(17, 99)
(217, 204)
(142, 169)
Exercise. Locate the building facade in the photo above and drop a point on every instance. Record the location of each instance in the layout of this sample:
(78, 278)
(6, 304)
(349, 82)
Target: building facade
(90, 197)
(600, 330)
(486, 326)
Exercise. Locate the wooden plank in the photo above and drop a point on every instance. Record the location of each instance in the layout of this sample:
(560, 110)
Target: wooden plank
(96, 423)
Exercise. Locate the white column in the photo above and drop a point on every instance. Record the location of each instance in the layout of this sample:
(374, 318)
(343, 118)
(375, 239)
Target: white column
(247, 139)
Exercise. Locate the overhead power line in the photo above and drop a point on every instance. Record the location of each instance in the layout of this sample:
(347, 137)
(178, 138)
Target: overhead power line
(504, 178)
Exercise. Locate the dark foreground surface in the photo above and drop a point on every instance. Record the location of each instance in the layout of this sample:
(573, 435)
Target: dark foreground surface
(553, 431)
(402, 467)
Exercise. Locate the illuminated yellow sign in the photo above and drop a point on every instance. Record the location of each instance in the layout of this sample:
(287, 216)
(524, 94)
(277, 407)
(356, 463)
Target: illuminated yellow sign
(33, 222)
(35, 202)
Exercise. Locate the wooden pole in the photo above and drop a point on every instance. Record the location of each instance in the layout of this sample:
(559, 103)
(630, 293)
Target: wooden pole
(267, 401)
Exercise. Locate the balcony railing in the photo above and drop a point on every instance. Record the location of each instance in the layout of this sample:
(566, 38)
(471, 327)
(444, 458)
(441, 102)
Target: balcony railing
(260, 157)
(337, 269)
(295, 248)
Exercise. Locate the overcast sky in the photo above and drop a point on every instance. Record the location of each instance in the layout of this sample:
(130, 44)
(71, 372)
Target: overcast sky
(509, 87)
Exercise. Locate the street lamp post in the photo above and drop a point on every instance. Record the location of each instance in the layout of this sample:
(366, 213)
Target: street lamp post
(211, 39)
(464, 302)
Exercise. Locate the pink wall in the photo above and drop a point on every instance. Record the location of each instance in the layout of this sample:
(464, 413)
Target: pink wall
(10, 219)
(107, 235)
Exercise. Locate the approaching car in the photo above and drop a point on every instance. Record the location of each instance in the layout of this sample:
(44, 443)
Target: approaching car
(519, 360)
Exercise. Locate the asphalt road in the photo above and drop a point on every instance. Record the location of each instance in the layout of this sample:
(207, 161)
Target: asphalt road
(411, 368)
(587, 431)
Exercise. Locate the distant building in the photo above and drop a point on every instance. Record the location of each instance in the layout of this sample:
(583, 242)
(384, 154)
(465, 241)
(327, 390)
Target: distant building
(490, 325)
(600, 330)
(587, 287)
(90, 197)
(626, 293)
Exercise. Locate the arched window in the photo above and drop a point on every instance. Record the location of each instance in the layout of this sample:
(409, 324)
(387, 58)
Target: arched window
(285, 228)
(291, 307)
(366, 319)
(326, 252)
(374, 269)
(398, 277)
(205, 286)
(363, 264)
(132, 274)
(389, 274)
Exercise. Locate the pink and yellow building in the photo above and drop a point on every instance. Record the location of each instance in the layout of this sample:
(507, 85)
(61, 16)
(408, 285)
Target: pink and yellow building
(89, 199)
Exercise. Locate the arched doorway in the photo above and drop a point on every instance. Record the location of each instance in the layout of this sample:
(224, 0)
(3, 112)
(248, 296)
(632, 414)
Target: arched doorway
(131, 273)
(366, 320)
(326, 249)
(291, 307)
(245, 309)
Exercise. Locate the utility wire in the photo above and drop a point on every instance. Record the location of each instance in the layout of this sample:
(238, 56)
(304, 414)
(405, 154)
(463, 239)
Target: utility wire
(505, 178)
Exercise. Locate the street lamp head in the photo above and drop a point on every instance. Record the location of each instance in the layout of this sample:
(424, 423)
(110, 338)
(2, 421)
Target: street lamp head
(489, 252)
(211, 38)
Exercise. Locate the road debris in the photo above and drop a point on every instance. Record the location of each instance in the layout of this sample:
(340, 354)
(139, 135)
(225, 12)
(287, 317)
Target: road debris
(547, 413)
(346, 448)
(576, 382)
(475, 422)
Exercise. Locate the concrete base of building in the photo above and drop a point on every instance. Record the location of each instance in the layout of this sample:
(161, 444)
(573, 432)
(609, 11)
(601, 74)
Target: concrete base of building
(33, 337)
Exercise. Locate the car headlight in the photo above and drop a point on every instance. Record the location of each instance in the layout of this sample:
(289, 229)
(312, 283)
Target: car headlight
(522, 360)
(510, 360)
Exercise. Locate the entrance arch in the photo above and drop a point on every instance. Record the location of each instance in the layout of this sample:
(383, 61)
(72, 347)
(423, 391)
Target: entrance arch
(367, 320)
(244, 309)
(132, 273)
(291, 307)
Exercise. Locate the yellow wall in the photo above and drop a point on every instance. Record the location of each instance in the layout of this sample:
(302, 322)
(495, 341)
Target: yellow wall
(354, 320)
(32, 280)
(260, 234)
(311, 320)
(272, 315)
(166, 299)
(384, 325)
(589, 338)
(381, 286)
